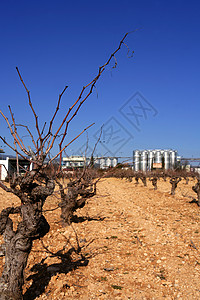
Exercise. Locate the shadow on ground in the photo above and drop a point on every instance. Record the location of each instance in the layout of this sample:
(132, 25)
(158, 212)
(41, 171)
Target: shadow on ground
(194, 201)
(44, 272)
(76, 219)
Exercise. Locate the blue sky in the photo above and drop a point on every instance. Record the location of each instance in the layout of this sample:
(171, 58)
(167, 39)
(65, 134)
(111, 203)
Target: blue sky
(58, 43)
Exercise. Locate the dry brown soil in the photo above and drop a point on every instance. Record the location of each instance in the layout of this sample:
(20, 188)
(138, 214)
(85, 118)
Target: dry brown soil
(136, 243)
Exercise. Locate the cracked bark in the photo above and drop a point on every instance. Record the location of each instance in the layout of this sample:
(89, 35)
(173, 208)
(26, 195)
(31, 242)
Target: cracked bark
(174, 182)
(18, 243)
(70, 201)
(196, 189)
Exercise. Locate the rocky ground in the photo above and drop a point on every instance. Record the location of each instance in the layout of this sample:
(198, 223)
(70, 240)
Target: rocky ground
(136, 243)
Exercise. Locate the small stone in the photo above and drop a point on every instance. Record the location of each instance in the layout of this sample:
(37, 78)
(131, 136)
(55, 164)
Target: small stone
(167, 283)
(176, 281)
(108, 269)
(158, 261)
(102, 292)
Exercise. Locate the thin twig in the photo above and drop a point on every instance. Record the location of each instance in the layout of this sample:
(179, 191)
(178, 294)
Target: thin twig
(70, 143)
(91, 84)
(30, 104)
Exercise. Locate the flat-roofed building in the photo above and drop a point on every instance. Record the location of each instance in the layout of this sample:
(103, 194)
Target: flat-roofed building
(8, 166)
(75, 161)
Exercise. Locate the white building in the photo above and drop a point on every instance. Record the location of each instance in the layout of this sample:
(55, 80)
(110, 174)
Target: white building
(4, 168)
(76, 161)
(8, 166)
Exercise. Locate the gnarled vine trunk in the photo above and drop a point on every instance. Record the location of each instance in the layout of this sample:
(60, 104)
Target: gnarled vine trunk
(144, 180)
(18, 244)
(154, 182)
(196, 189)
(174, 182)
(77, 194)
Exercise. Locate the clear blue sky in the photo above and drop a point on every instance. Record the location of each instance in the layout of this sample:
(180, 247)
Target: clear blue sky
(58, 43)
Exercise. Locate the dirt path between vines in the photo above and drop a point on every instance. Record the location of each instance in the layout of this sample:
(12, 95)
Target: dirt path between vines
(136, 243)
